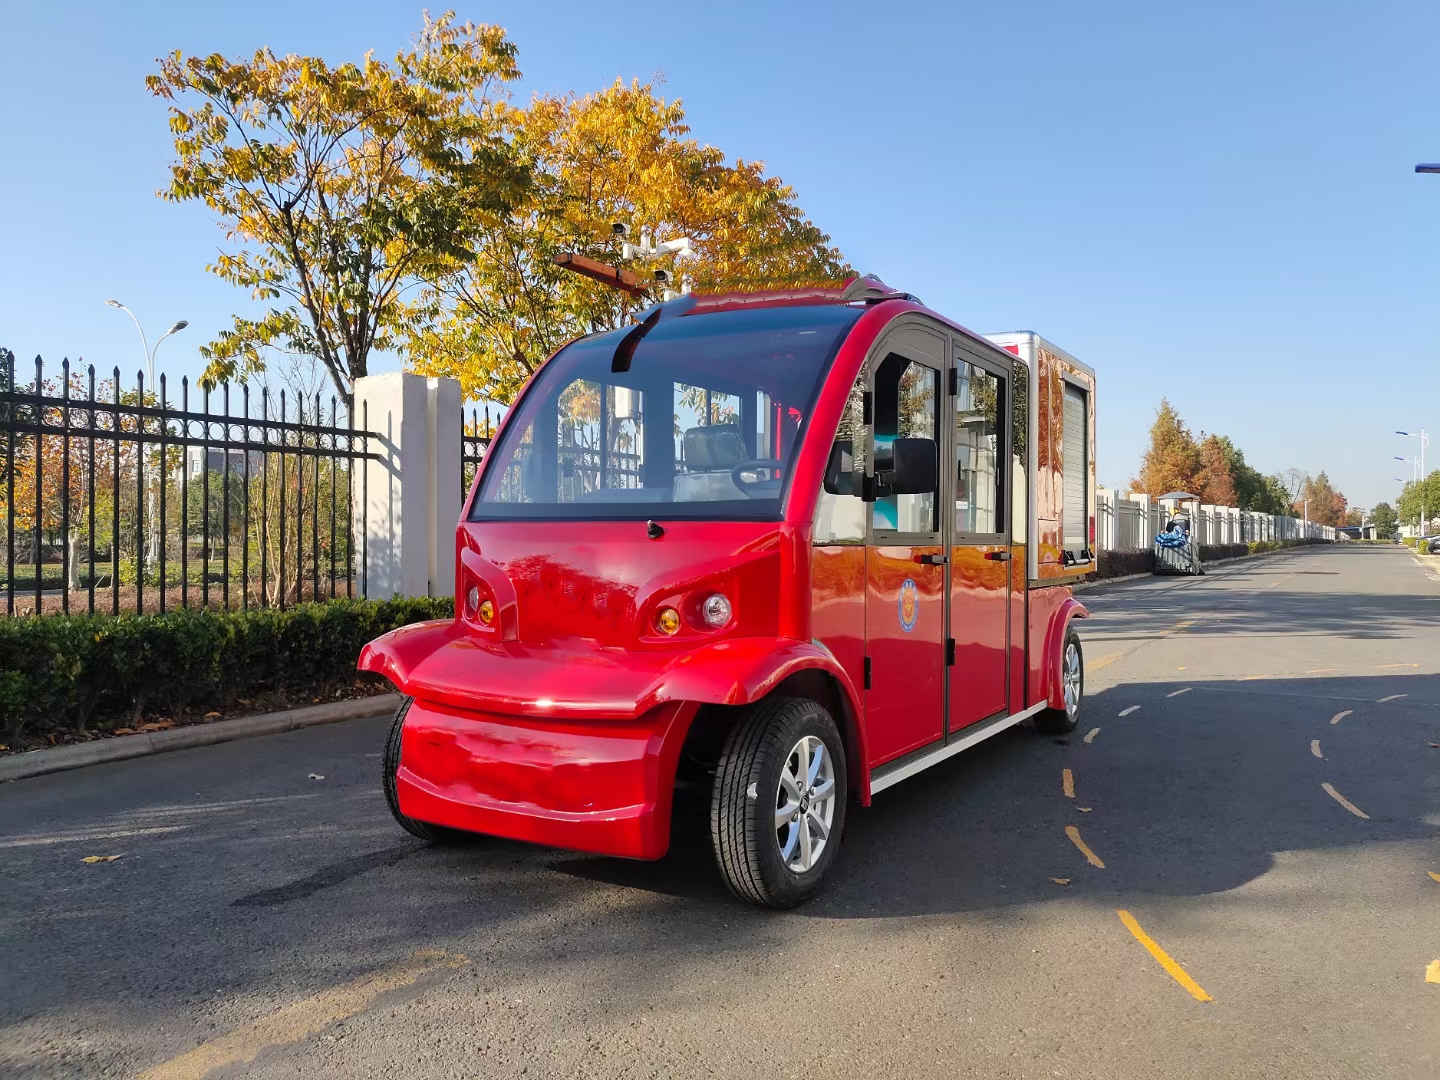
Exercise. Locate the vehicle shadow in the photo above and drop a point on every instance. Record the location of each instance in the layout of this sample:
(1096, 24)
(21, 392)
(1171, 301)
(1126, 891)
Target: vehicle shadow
(1188, 796)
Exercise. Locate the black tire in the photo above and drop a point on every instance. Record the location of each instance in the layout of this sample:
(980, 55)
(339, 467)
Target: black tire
(1061, 721)
(390, 763)
(742, 825)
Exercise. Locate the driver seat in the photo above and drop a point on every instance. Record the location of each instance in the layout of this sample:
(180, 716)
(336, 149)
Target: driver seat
(709, 453)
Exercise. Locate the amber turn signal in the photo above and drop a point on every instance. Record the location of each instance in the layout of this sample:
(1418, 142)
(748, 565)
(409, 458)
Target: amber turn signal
(668, 621)
(487, 612)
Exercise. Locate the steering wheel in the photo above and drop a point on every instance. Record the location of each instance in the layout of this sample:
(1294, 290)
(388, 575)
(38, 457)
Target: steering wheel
(750, 476)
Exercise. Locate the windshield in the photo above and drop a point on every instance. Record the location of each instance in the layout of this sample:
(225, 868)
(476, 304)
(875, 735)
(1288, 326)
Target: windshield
(704, 424)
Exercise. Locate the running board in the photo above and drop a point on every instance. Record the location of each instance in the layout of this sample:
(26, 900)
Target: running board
(891, 774)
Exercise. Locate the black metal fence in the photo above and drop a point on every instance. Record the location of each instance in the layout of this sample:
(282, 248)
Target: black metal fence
(119, 499)
(475, 436)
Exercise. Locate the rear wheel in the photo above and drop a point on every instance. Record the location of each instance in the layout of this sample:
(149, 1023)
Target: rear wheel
(777, 811)
(390, 764)
(1072, 683)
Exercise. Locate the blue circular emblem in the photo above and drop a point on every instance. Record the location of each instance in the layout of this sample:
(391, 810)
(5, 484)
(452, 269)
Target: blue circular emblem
(909, 605)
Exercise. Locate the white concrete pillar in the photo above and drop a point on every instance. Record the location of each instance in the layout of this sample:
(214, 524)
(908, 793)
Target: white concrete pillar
(407, 499)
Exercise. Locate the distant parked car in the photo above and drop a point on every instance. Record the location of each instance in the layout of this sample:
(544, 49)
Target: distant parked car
(1433, 545)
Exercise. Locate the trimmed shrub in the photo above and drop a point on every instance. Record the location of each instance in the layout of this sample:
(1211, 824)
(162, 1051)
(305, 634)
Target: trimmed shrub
(1113, 564)
(1214, 552)
(72, 672)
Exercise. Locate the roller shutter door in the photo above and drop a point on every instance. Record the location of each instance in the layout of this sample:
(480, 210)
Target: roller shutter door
(1074, 468)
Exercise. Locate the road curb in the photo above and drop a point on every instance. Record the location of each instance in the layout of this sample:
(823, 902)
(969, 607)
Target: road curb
(120, 747)
(1216, 562)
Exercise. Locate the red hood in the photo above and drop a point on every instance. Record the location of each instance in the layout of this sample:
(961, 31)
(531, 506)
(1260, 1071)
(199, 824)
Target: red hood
(602, 582)
(576, 603)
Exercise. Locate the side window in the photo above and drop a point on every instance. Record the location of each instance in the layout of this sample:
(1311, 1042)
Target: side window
(907, 426)
(979, 438)
(840, 511)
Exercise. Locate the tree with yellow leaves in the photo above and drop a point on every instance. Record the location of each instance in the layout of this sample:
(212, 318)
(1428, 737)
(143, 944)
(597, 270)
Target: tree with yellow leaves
(340, 188)
(622, 155)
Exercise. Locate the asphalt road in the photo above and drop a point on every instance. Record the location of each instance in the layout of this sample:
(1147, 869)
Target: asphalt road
(261, 922)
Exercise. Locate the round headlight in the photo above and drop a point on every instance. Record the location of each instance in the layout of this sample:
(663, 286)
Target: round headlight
(716, 610)
(487, 612)
(472, 600)
(668, 621)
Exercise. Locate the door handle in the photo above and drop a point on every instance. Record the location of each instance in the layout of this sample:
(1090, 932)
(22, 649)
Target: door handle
(932, 560)
(998, 556)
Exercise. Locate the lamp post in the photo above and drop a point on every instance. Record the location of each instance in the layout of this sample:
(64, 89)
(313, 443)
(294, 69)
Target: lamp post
(144, 344)
(1424, 438)
(180, 324)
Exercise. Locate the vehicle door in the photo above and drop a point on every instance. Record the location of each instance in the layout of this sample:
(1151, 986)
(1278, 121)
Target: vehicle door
(905, 562)
(978, 537)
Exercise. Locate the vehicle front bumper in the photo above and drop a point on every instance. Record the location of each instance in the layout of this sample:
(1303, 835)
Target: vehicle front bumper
(592, 785)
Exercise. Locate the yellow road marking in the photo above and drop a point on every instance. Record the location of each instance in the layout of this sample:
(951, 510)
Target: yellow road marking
(1128, 711)
(1329, 790)
(1094, 860)
(1105, 661)
(1391, 697)
(1177, 693)
(1321, 670)
(1090, 735)
(299, 1021)
(1315, 749)
(1067, 783)
(1340, 716)
(1433, 876)
(1432, 971)
(1174, 970)
(1382, 667)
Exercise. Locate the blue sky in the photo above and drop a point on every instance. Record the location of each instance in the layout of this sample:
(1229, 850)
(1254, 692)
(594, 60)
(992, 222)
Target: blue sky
(1213, 202)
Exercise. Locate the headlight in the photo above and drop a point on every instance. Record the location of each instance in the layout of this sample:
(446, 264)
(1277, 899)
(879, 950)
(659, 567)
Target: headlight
(667, 621)
(716, 610)
(472, 600)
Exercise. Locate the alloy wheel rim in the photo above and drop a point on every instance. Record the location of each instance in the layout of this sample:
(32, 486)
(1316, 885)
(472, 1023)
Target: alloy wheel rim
(805, 804)
(1072, 678)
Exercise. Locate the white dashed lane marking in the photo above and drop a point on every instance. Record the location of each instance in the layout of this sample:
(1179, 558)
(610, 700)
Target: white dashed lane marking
(1346, 803)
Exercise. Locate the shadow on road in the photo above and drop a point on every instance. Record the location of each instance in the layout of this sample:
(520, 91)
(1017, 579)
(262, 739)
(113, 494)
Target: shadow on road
(1187, 796)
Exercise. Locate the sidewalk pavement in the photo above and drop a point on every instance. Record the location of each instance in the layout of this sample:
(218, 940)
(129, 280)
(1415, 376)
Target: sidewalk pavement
(119, 747)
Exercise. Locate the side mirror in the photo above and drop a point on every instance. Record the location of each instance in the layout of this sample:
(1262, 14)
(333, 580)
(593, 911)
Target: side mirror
(840, 478)
(915, 467)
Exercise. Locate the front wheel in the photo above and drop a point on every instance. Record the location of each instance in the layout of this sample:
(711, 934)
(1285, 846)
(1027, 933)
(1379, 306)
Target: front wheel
(1072, 682)
(390, 764)
(777, 811)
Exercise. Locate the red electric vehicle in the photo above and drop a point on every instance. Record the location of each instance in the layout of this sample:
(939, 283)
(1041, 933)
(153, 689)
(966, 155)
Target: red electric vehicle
(798, 546)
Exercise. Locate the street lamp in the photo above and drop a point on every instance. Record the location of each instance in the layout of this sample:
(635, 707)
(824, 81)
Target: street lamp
(1424, 438)
(144, 344)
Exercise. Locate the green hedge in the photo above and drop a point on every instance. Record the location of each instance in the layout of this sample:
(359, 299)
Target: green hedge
(73, 672)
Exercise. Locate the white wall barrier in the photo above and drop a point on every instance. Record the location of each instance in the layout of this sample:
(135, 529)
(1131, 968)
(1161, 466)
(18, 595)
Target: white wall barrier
(1129, 522)
(409, 520)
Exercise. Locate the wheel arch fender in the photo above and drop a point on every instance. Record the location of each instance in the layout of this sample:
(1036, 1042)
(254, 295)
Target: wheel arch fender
(395, 654)
(785, 668)
(1069, 610)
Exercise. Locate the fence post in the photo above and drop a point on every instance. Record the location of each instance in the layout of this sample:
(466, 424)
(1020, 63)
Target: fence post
(410, 483)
